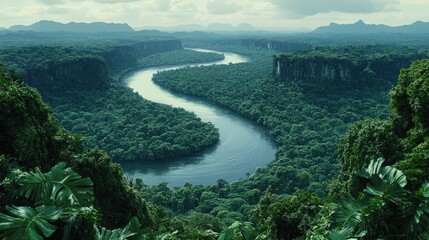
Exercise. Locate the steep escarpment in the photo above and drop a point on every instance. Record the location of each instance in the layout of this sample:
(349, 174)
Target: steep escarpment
(347, 66)
(126, 55)
(283, 46)
(79, 67)
(86, 71)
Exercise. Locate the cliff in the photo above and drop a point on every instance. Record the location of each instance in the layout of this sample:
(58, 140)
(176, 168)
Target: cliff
(87, 72)
(349, 67)
(123, 56)
(63, 68)
(283, 46)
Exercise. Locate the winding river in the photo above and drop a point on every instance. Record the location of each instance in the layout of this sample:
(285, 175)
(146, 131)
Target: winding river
(243, 146)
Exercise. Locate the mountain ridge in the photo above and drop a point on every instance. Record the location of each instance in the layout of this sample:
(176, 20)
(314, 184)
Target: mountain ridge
(52, 26)
(360, 27)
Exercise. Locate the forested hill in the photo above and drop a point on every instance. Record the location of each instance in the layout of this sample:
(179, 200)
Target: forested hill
(79, 66)
(93, 190)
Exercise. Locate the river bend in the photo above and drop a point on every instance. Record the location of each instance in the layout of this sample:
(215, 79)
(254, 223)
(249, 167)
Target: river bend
(243, 146)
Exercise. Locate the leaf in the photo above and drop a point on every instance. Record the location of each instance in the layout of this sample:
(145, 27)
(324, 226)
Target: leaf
(28, 223)
(350, 212)
(420, 214)
(393, 175)
(228, 233)
(343, 234)
(120, 233)
(385, 182)
(373, 168)
(61, 186)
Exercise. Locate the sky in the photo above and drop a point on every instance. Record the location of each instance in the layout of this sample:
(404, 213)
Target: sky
(262, 14)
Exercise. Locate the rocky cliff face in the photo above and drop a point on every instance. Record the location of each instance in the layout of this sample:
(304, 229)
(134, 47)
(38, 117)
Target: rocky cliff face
(339, 71)
(283, 46)
(70, 69)
(87, 72)
(124, 56)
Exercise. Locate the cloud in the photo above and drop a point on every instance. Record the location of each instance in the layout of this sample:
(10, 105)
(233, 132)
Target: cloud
(222, 7)
(115, 1)
(302, 8)
(183, 6)
(161, 5)
(51, 2)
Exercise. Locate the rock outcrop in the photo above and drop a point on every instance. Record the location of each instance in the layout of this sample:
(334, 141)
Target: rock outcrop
(331, 69)
(63, 68)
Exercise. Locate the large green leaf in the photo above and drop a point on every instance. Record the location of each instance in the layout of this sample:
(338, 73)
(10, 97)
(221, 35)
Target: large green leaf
(61, 186)
(228, 233)
(393, 176)
(374, 168)
(26, 223)
(342, 234)
(419, 220)
(384, 181)
(116, 234)
(350, 212)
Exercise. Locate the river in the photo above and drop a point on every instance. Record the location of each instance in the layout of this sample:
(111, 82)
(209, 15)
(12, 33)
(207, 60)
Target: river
(243, 146)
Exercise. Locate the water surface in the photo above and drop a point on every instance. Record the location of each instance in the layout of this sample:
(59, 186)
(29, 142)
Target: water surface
(243, 145)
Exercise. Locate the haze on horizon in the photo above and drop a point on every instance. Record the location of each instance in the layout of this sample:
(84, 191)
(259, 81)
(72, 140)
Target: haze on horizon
(262, 14)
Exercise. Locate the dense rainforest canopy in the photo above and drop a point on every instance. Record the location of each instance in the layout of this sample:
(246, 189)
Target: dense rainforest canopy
(380, 191)
(82, 84)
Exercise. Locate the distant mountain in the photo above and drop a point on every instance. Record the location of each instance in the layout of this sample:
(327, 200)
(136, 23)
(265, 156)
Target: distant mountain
(214, 27)
(51, 26)
(360, 27)
(245, 27)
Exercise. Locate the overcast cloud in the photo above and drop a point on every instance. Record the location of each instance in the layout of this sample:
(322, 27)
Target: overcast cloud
(302, 8)
(280, 14)
(222, 7)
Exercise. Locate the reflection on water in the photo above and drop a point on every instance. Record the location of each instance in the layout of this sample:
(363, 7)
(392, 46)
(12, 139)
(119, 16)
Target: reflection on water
(243, 146)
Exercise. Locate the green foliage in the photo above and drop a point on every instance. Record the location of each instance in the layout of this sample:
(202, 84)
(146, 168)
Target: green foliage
(112, 191)
(25, 112)
(29, 223)
(385, 208)
(178, 57)
(30, 140)
(366, 140)
(292, 216)
(129, 128)
(415, 164)
(61, 186)
(330, 69)
(56, 194)
(400, 139)
(306, 127)
(83, 223)
(130, 230)
(240, 230)
(410, 98)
